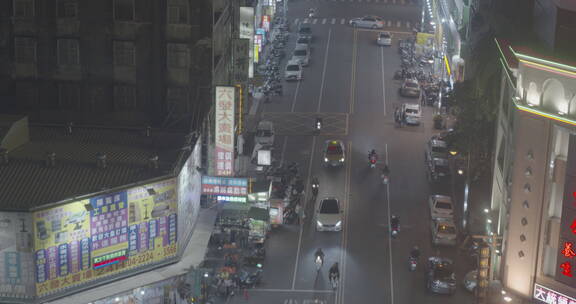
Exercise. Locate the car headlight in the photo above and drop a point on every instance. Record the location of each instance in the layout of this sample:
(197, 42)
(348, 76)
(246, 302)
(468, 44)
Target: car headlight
(326, 159)
(319, 224)
(339, 224)
(342, 160)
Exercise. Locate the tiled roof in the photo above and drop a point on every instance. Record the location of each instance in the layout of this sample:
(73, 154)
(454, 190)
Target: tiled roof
(26, 182)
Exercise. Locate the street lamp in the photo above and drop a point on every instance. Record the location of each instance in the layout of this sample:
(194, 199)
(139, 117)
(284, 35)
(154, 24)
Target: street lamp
(453, 153)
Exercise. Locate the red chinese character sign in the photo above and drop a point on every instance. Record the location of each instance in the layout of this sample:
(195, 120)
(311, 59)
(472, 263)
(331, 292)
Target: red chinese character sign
(566, 253)
(225, 103)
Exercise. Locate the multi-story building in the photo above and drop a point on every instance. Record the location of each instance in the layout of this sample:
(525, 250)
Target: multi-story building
(119, 62)
(535, 164)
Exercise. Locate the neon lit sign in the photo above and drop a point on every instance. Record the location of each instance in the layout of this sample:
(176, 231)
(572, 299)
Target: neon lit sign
(109, 259)
(566, 261)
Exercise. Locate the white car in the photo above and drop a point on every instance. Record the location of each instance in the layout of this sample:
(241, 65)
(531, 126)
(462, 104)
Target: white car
(265, 133)
(410, 88)
(301, 54)
(329, 215)
(441, 206)
(384, 38)
(412, 113)
(443, 232)
(293, 70)
(373, 22)
(303, 41)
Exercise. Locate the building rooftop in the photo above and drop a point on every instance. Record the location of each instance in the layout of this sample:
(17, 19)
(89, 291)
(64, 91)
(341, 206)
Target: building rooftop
(26, 181)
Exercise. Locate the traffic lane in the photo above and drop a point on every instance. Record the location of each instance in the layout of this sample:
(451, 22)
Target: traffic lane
(367, 265)
(283, 297)
(332, 184)
(386, 12)
(368, 92)
(338, 73)
(391, 63)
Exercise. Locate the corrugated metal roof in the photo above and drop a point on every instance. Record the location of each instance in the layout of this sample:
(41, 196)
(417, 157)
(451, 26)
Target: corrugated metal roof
(26, 182)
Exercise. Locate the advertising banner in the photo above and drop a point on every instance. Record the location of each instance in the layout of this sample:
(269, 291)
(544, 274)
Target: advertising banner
(225, 106)
(16, 256)
(549, 296)
(224, 185)
(189, 191)
(247, 31)
(242, 62)
(104, 235)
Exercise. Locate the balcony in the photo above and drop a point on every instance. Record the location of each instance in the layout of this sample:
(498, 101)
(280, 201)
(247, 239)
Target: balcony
(24, 26)
(66, 27)
(68, 72)
(24, 70)
(125, 74)
(125, 30)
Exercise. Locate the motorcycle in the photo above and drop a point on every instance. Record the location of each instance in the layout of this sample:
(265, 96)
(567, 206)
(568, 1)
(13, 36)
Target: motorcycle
(249, 280)
(311, 13)
(372, 158)
(315, 187)
(318, 124)
(385, 179)
(412, 263)
(395, 226)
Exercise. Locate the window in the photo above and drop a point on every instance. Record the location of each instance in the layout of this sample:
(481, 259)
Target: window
(123, 10)
(124, 53)
(124, 97)
(178, 14)
(68, 95)
(67, 9)
(25, 49)
(177, 99)
(68, 52)
(178, 55)
(24, 8)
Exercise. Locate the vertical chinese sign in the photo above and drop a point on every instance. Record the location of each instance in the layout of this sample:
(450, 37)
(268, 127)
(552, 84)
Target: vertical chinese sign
(566, 262)
(225, 104)
(247, 31)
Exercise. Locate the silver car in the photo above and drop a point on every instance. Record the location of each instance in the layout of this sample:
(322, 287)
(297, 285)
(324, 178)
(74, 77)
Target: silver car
(303, 42)
(441, 206)
(443, 232)
(293, 71)
(384, 38)
(329, 215)
(301, 54)
(410, 88)
(373, 22)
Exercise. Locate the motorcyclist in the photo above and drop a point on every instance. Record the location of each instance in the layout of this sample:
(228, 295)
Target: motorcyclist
(385, 170)
(334, 272)
(395, 222)
(372, 156)
(319, 254)
(311, 12)
(318, 123)
(415, 253)
(315, 185)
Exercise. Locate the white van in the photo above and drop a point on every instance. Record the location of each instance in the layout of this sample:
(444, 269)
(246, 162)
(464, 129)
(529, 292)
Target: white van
(301, 54)
(412, 113)
(293, 70)
(265, 133)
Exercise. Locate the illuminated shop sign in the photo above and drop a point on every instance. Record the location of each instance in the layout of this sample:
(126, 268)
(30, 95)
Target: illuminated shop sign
(224, 185)
(549, 296)
(225, 103)
(234, 199)
(566, 262)
(109, 259)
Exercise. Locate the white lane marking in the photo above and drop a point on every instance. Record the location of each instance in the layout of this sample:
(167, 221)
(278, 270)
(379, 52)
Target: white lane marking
(304, 210)
(333, 20)
(389, 229)
(398, 24)
(389, 23)
(291, 290)
(345, 231)
(342, 21)
(285, 143)
(296, 21)
(324, 21)
(324, 71)
(383, 82)
(408, 24)
(305, 20)
(314, 21)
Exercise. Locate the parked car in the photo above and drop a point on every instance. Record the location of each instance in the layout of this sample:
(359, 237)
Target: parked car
(441, 206)
(334, 153)
(410, 88)
(436, 148)
(412, 113)
(265, 133)
(303, 41)
(301, 54)
(293, 70)
(384, 38)
(441, 276)
(438, 168)
(305, 31)
(443, 232)
(471, 280)
(372, 22)
(329, 215)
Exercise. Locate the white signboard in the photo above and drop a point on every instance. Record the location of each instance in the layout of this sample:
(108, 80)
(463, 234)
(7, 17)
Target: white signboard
(264, 158)
(224, 120)
(549, 296)
(247, 31)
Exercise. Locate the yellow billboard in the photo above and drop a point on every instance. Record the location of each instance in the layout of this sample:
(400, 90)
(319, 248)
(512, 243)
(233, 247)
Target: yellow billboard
(104, 235)
(424, 39)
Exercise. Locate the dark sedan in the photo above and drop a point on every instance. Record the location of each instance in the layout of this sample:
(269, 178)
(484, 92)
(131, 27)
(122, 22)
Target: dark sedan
(441, 277)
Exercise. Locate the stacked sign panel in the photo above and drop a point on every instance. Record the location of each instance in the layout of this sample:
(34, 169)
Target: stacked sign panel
(225, 103)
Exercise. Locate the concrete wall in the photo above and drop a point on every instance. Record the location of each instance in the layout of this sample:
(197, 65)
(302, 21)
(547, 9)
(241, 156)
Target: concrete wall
(544, 18)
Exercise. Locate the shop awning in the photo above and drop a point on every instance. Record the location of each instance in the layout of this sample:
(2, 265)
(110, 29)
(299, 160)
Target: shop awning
(259, 214)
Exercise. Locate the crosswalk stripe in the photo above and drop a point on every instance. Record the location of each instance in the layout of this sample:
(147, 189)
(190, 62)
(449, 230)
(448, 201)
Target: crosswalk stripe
(296, 21)
(398, 24)
(389, 23)
(314, 21)
(333, 20)
(324, 21)
(342, 21)
(305, 20)
(408, 24)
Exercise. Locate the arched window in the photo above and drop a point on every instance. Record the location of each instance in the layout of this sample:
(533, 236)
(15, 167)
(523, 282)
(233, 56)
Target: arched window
(533, 96)
(553, 96)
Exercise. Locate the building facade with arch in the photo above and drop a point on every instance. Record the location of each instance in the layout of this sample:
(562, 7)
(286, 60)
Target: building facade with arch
(534, 178)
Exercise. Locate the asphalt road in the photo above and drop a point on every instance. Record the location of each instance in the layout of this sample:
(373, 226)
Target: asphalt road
(350, 83)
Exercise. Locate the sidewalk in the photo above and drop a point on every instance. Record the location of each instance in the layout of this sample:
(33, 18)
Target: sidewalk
(192, 256)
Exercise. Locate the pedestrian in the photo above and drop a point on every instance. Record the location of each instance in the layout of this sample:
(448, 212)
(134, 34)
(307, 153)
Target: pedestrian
(298, 210)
